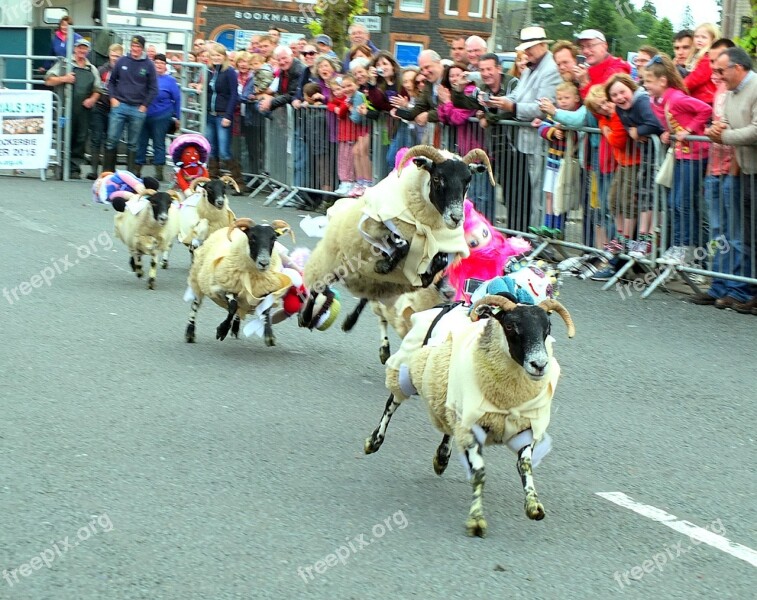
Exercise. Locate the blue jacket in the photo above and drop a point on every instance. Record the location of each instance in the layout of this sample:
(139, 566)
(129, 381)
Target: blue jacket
(133, 81)
(222, 91)
(168, 99)
(640, 115)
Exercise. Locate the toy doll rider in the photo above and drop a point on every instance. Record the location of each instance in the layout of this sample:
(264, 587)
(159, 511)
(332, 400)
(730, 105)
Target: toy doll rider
(489, 252)
(115, 188)
(189, 153)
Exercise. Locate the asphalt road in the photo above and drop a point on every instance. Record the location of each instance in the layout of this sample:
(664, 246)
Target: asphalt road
(134, 465)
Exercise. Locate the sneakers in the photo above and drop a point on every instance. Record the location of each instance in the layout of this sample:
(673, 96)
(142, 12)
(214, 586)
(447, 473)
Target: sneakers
(344, 188)
(547, 232)
(357, 191)
(614, 246)
(639, 248)
(674, 255)
(604, 275)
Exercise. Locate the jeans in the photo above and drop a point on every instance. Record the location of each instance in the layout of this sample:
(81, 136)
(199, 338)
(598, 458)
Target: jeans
(155, 129)
(301, 163)
(483, 195)
(98, 128)
(683, 204)
(402, 139)
(122, 116)
(219, 137)
(724, 201)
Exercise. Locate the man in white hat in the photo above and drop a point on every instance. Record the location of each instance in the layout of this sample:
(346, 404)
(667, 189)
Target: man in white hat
(539, 80)
(600, 65)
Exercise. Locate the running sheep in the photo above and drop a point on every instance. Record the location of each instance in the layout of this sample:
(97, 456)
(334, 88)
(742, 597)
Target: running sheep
(488, 377)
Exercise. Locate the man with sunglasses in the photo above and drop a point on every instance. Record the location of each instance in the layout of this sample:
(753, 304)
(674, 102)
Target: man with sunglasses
(600, 65)
(738, 128)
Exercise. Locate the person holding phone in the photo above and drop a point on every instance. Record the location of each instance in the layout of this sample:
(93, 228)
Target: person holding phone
(599, 65)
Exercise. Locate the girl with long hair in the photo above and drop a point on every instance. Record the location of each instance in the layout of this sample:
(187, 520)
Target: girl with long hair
(699, 80)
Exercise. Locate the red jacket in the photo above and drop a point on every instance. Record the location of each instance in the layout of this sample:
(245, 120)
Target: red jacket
(699, 81)
(601, 72)
(623, 150)
(347, 131)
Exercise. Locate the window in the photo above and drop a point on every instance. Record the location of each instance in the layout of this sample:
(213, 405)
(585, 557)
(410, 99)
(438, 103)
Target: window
(475, 8)
(114, 3)
(179, 7)
(416, 6)
(450, 7)
(407, 53)
(145, 4)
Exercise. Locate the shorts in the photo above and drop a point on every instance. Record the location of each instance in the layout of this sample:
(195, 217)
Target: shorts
(550, 179)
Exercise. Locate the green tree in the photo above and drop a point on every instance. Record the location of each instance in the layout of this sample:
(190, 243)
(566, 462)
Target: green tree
(335, 18)
(661, 36)
(603, 15)
(563, 11)
(649, 8)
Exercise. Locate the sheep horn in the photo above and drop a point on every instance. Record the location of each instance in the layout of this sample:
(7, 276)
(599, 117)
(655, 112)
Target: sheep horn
(243, 223)
(148, 193)
(427, 151)
(230, 181)
(499, 301)
(553, 305)
(196, 182)
(282, 228)
(479, 154)
(175, 195)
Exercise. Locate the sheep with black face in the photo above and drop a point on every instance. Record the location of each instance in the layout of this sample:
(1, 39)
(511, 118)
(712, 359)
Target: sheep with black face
(205, 210)
(147, 223)
(238, 268)
(399, 234)
(488, 377)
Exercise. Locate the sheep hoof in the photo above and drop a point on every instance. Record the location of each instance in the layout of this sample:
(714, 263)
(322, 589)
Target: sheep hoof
(534, 509)
(150, 283)
(189, 336)
(384, 354)
(235, 328)
(372, 444)
(476, 526)
(164, 263)
(222, 331)
(270, 340)
(440, 464)
(383, 266)
(139, 274)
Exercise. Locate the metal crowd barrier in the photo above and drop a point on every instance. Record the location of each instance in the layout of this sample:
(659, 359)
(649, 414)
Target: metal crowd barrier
(707, 219)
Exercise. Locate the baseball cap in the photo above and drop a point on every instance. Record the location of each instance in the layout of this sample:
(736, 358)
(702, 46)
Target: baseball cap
(83, 42)
(592, 34)
(324, 39)
(138, 39)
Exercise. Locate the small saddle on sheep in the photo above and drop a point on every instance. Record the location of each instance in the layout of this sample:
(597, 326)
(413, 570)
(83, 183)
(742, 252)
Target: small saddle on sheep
(399, 234)
(488, 375)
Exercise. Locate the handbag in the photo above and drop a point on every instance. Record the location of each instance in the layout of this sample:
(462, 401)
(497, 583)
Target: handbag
(664, 175)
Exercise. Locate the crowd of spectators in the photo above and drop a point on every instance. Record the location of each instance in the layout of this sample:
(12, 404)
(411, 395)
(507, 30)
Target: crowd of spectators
(706, 88)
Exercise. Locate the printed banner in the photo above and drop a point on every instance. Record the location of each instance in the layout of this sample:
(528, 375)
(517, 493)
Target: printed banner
(26, 129)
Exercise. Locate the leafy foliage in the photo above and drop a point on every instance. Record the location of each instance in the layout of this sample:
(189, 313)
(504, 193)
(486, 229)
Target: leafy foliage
(661, 36)
(335, 18)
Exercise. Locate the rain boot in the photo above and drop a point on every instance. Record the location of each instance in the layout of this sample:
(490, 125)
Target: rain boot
(109, 160)
(94, 163)
(232, 166)
(214, 168)
(158, 172)
(131, 162)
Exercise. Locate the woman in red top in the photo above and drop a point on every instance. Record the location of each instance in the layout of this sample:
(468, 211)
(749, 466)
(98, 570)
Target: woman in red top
(699, 80)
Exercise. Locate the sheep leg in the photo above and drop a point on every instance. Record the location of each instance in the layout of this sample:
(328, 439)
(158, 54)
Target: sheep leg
(306, 316)
(270, 339)
(390, 261)
(223, 329)
(373, 443)
(189, 335)
(438, 263)
(476, 524)
(308, 319)
(164, 259)
(153, 269)
(441, 458)
(385, 349)
(235, 325)
(136, 263)
(352, 318)
(534, 508)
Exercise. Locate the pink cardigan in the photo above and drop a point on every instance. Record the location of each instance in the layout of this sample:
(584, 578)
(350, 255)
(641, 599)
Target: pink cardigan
(469, 135)
(685, 113)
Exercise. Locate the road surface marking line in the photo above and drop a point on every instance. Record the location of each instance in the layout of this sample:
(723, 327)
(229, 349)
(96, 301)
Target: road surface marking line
(685, 527)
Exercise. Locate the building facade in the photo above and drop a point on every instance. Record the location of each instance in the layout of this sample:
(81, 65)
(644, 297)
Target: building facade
(404, 27)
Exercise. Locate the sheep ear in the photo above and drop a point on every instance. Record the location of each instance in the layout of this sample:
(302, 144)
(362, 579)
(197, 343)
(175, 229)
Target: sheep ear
(423, 162)
(476, 168)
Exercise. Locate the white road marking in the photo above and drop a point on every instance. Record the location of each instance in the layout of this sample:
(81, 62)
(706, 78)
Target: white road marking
(682, 526)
